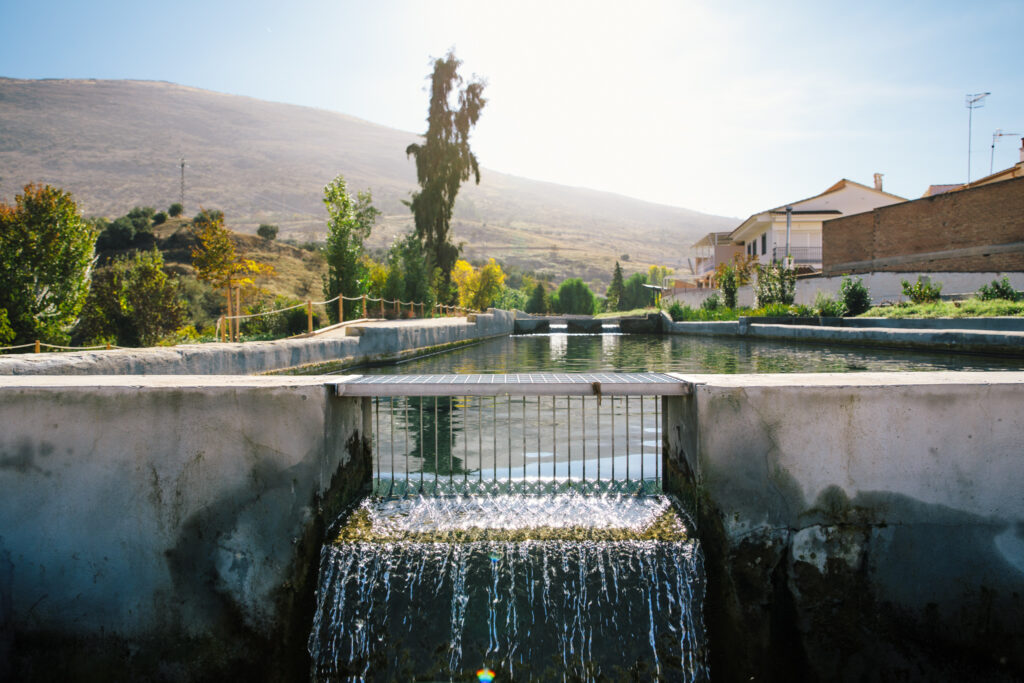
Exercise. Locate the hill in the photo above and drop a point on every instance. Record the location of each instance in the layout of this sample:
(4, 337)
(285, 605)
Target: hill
(117, 144)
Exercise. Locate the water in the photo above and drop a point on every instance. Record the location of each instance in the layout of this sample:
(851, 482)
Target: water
(529, 586)
(679, 353)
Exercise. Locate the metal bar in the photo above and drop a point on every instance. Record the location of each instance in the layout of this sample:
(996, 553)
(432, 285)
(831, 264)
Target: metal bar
(611, 409)
(598, 411)
(568, 441)
(524, 439)
(642, 427)
(451, 442)
(629, 435)
(554, 442)
(583, 421)
(376, 440)
(657, 437)
(508, 405)
(406, 492)
(465, 439)
(538, 439)
(391, 420)
(423, 459)
(480, 437)
(494, 433)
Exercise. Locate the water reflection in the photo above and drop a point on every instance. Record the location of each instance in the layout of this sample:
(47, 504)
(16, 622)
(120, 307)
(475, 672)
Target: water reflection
(561, 352)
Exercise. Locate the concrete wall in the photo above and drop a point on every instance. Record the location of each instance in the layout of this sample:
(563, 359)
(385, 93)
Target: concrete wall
(168, 528)
(378, 342)
(955, 231)
(857, 526)
(882, 286)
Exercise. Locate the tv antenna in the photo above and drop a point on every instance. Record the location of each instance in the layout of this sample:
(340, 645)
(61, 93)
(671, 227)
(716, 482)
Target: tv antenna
(972, 102)
(995, 136)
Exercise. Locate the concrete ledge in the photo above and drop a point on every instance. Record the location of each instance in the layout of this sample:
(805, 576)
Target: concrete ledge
(857, 525)
(168, 527)
(377, 342)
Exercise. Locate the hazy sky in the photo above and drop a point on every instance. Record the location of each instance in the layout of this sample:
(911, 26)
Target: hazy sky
(723, 107)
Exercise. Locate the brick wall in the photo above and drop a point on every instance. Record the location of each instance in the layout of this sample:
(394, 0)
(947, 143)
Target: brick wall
(957, 231)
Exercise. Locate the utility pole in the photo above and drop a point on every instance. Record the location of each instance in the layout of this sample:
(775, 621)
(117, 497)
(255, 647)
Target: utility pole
(182, 199)
(972, 102)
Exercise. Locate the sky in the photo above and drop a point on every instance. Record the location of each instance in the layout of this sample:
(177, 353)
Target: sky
(722, 107)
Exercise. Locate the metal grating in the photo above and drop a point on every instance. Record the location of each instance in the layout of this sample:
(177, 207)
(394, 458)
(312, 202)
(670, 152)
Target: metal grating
(527, 384)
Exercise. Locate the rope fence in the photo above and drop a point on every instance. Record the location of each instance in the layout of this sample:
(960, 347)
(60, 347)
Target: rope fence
(227, 328)
(39, 345)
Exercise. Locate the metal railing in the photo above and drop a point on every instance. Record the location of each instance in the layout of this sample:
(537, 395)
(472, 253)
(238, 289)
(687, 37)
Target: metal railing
(799, 254)
(450, 434)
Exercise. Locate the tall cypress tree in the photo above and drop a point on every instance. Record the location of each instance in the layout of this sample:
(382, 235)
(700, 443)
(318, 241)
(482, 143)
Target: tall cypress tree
(443, 161)
(614, 295)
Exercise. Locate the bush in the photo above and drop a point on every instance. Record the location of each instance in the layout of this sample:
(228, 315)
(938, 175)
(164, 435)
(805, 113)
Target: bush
(175, 209)
(675, 311)
(923, 291)
(728, 282)
(855, 296)
(538, 301)
(634, 294)
(712, 303)
(1000, 289)
(775, 284)
(827, 307)
(159, 218)
(267, 231)
(574, 296)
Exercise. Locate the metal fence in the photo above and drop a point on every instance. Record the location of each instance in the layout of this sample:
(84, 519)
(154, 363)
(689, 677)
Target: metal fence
(443, 434)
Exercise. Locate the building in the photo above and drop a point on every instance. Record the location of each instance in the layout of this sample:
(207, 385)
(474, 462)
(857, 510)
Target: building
(763, 235)
(710, 251)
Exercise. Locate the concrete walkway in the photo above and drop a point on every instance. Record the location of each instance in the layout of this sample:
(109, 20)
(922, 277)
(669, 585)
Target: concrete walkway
(932, 335)
(332, 350)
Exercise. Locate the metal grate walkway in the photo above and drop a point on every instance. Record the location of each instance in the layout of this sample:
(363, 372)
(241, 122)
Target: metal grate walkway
(528, 384)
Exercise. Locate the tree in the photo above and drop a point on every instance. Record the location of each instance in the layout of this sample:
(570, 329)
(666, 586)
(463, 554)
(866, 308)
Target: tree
(174, 210)
(775, 284)
(267, 231)
(634, 294)
(132, 302)
(478, 288)
(46, 257)
(538, 302)
(443, 161)
(215, 259)
(614, 290)
(728, 282)
(348, 224)
(574, 296)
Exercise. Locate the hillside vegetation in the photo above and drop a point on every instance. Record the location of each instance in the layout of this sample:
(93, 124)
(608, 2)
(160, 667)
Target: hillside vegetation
(117, 144)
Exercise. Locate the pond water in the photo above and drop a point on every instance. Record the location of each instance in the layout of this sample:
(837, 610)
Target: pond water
(678, 353)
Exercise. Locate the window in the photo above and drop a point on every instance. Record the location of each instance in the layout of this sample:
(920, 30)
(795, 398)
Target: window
(764, 243)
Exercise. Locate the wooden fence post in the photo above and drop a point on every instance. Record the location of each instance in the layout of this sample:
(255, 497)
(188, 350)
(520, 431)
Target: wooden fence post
(364, 306)
(238, 312)
(37, 346)
(309, 315)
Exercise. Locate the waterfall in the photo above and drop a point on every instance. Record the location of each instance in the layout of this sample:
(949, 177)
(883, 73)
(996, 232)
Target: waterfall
(608, 594)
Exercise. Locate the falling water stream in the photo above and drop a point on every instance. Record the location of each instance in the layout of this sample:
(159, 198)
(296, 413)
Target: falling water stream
(526, 586)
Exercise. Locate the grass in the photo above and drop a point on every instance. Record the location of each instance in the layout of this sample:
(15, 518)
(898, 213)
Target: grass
(622, 314)
(970, 308)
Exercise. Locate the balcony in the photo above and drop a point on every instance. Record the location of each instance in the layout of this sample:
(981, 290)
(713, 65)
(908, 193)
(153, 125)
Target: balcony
(799, 254)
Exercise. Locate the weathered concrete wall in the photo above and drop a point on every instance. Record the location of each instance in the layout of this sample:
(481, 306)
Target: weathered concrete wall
(857, 526)
(168, 528)
(378, 342)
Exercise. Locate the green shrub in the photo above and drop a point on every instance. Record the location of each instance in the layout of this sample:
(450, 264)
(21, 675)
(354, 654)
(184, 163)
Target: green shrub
(267, 231)
(855, 296)
(776, 310)
(1000, 289)
(923, 291)
(827, 307)
(675, 311)
(159, 218)
(713, 303)
(775, 284)
(728, 282)
(174, 210)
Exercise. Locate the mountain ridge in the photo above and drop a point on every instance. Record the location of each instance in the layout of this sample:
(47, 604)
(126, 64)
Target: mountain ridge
(117, 144)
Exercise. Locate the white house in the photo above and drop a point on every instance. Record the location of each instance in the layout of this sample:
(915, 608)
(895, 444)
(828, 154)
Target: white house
(763, 235)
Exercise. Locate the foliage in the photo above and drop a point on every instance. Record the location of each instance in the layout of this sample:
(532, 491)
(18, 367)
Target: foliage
(827, 307)
(6, 333)
(923, 291)
(728, 282)
(215, 259)
(775, 284)
(159, 218)
(350, 220)
(573, 296)
(683, 313)
(511, 299)
(174, 210)
(277, 325)
(1000, 289)
(133, 302)
(614, 293)
(855, 296)
(203, 302)
(634, 294)
(656, 274)
(971, 308)
(267, 231)
(777, 309)
(478, 287)
(46, 256)
(206, 217)
(444, 160)
(538, 302)
(712, 303)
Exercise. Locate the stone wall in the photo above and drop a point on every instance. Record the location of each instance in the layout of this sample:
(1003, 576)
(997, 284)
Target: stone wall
(856, 526)
(980, 229)
(165, 528)
(371, 342)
